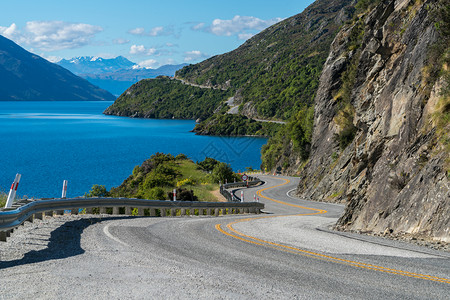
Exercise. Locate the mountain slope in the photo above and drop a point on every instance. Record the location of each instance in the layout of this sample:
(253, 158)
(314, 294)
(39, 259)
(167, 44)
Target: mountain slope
(276, 72)
(26, 76)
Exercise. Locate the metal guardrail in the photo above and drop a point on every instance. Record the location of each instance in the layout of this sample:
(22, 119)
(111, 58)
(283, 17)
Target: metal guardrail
(229, 195)
(21, 211)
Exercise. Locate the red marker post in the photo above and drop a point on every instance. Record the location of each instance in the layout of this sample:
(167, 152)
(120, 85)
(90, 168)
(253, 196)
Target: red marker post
(174, 194)
(12, 191)
(64, 190)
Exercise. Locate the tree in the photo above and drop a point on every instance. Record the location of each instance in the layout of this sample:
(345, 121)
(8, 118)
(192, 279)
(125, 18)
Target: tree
(221, 172)
(97, 191)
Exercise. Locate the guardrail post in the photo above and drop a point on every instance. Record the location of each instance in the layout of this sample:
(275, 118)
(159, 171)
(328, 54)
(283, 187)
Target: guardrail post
(102, 210)
(12, 191)
(141, 212)
(128, 211)
(74, 211)
(115, 210)
(39, 216)
(163, 212)
(183, 212)
(209, 211)
(89, 210)
(31, 218)
(152, 212)
(201, 211)
(60, 212)
(64, 189)
(3, 236)
(216, 212)
(173, 212)
(49, 213)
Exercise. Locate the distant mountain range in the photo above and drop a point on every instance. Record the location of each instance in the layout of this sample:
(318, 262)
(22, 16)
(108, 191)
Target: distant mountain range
(28, 77)
(95, 65)
(114, 74)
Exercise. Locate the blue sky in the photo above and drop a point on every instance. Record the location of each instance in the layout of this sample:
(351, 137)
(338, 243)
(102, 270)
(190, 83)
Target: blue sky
(150, 33)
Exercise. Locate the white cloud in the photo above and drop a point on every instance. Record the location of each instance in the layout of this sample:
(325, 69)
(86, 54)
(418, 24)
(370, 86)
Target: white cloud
(155, 31)
(52, 35)
(194, 55)
(51, 58)
(10, 31)
(57, 35)
(120, 41)
(198, 26)
(242, 26)
(245, 36)
(137, 31)
(141, 50)
(147, 64)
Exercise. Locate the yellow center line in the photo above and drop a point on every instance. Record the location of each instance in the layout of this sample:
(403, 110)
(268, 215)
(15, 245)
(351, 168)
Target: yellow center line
(257, 241)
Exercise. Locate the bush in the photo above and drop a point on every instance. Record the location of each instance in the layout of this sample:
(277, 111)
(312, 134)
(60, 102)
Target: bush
(221, 172)
(155, 193)
(97, 191)
(207, 164)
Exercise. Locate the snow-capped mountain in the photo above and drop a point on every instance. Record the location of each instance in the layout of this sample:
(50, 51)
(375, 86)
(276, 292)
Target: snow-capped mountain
(113, 74)
(95, 65)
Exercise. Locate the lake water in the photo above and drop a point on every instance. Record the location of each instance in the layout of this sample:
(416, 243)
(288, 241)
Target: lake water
(48, 142)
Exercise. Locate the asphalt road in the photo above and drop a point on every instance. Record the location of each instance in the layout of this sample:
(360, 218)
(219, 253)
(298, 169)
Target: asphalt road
(286, 253)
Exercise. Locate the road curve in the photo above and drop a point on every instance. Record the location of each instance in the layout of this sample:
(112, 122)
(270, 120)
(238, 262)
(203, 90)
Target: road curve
(286, 253)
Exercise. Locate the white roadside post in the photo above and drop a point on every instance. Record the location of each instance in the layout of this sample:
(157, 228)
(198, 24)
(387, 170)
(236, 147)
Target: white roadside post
(12, 191)
(242, 196)
(174, 194)
(254, 198)
(64, 189)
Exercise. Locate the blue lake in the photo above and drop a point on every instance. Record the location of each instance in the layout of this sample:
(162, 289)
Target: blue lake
(48, 142)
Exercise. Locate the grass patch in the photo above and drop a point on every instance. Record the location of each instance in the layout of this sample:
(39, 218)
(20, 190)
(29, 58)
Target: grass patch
(3, 198)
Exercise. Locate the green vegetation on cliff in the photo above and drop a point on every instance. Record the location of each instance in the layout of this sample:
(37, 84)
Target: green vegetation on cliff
(3, 198)
(236, 125)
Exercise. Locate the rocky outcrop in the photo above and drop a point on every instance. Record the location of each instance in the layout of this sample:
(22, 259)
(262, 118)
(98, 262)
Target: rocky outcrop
(391, 175)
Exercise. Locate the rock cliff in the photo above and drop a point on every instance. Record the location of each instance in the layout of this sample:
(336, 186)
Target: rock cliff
(376, 143)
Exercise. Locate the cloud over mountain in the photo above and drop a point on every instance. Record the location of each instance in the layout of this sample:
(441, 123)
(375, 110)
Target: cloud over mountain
(194, 55)
(52, 35)
(241, 26)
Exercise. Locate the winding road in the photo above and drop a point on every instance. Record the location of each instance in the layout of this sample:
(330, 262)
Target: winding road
(286, 253)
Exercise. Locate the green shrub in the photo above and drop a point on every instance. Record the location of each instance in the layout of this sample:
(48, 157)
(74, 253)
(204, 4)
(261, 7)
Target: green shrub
(221, 172)
(97, 191)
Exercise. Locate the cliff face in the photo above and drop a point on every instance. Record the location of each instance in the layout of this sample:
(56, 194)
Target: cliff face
(391, 174)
